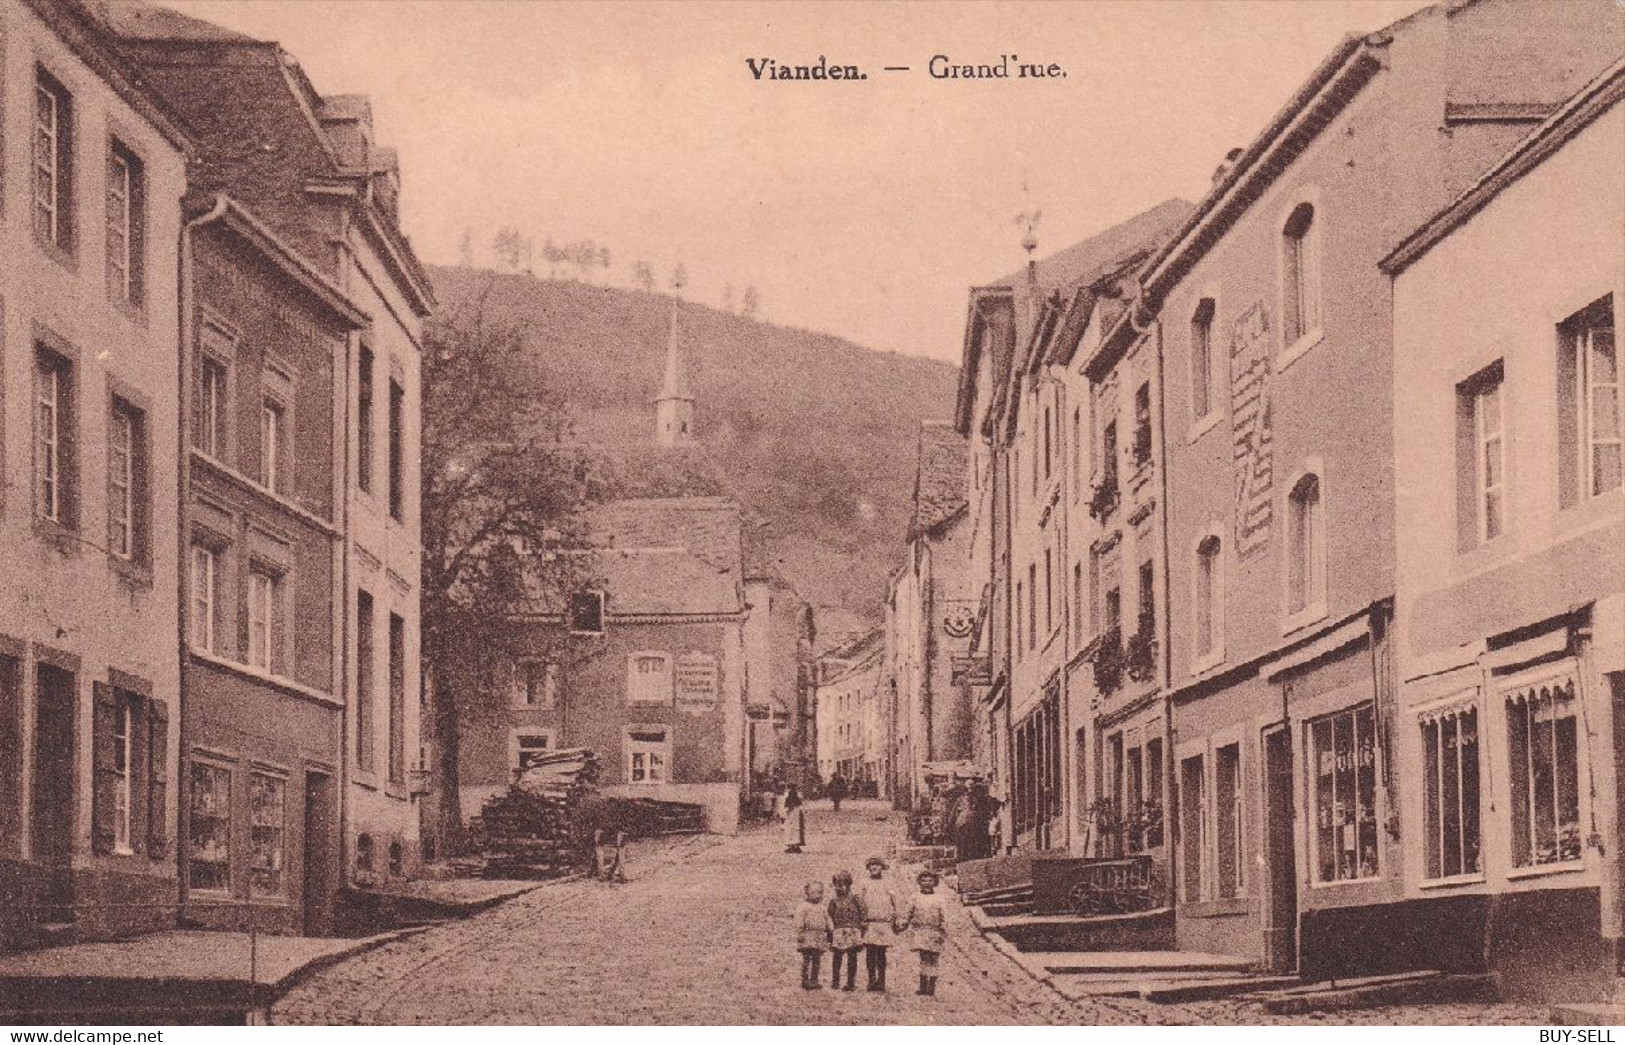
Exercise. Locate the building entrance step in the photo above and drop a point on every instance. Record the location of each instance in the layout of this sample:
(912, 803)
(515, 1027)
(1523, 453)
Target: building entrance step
(1116, 963)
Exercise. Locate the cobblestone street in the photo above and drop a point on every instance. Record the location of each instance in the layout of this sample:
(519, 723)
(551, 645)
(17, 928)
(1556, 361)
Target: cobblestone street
(701, 935)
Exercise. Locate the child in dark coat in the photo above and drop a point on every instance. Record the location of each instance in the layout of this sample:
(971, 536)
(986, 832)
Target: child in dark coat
(846, 916)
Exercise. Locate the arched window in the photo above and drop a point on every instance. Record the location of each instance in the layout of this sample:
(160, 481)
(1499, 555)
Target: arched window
(397, 860)
(1209, 597)
(1202, 359)
(363, 852)
(1306, 546)
(1300, 261)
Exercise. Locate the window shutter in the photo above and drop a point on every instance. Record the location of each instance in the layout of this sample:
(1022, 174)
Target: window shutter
(104, 778)
(139, 725)
(157, 779)
(11, 735)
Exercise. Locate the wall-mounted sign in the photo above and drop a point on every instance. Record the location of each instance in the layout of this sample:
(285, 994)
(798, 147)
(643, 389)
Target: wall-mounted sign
(697, 678)
(958, 621)
(972, 671)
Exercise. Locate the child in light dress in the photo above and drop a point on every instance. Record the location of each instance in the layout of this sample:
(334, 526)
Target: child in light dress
(813, 933)
(928, 920)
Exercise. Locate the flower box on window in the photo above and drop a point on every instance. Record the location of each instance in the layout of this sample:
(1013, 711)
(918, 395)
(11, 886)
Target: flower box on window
(1108, 661)
(1141, 655)
(1103, 500)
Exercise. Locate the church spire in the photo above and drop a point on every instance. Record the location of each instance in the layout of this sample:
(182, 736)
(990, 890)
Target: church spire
(674, 409)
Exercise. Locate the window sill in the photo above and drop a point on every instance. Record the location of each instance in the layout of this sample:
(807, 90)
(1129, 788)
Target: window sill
(1311, 614)
(279, 682)
(1298, 348)
(135, 573)
(1543, 870)
(64, 538)
(364, 779)
(1344, 882)
(1453, 882)
(63, 256)
(1202, 426)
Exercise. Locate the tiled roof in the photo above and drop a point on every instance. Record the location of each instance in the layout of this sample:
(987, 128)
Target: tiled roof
(939, 476)
(668, 555)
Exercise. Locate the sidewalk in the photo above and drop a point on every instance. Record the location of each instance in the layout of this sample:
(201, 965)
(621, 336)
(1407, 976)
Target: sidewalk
(173, 977)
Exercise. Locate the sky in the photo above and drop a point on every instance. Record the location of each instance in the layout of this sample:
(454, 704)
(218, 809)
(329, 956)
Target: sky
(864, 209)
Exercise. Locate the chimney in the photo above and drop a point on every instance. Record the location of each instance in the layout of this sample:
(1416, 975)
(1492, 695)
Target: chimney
(1224, 167)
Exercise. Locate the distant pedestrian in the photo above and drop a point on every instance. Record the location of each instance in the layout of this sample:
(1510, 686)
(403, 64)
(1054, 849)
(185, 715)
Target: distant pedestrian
(795, 822)
(879, 915)
(609, 855)
(846, 917)
(928, 920)
(813, 932)
(837, 791)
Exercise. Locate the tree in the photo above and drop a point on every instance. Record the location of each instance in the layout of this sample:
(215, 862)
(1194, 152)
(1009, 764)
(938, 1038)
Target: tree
(508, 246)
(502, 496)
(643, 275)
(751, 307)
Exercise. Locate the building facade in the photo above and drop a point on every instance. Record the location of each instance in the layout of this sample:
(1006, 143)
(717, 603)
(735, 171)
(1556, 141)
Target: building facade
(851, 729)
(645, 666)
(1510, 541)
(89, 679)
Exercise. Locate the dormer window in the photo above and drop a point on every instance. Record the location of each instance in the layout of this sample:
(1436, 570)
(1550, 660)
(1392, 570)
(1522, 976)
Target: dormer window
(586, 613)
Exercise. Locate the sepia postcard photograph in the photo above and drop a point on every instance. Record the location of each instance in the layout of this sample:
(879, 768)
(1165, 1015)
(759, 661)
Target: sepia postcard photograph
(732, 514)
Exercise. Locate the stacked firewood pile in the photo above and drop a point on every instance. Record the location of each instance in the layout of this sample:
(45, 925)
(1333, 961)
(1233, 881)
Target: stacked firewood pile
(536, 829)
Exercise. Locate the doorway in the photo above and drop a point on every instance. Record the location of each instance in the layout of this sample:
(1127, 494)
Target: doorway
(1281, 904)
(53, 803)
(321, 829)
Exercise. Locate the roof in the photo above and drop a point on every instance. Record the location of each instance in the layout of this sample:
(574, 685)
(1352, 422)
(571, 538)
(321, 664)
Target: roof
(1574, 116)
(939, 477)
(1088, 260)
(668, 555)
(135, 20)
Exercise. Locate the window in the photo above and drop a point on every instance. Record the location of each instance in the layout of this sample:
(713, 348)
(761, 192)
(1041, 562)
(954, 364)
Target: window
(123, 777)
(1450, 826)
(204, 561)
(1202, 359)
(363, 852)
(587, 613)
(527, 747)
(1032, 605)
(536, 684)
(262, 613)
(648, 755)
(1306, 547)
(1344, 760)
(1108, 455)
(54, 493)
(126, 200)
(1020, 591)
(397, 698)
(1543, 763)
(1192, 827)
(1077, 452)
(1227, 791)
(1209, 597)
(1147, 623)
(1078, 596)
(126, 482)
(272, 439)
(1588, 391)
(267, 813)
(1153, 798)
(209, 828)
(1132, 797)
(1300, 260)
(1480, 458)
(397, 451)
(364, 696)
(1112, 612)
(211, 413)
(648, 678)
(1048, 445)
(53, 161)
(1049, 590)
(1142, 426)
(397, 859)
(363, 465)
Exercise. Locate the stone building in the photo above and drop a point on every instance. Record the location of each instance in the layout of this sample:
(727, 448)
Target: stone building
(89, 679)
(327, 195)
(1509, 628)
(644, 665)
(851, 729)
(929, 616)
(1272, 321)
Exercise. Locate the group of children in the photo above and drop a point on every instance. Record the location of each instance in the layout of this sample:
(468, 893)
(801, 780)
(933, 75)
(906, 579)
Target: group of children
(868, 917)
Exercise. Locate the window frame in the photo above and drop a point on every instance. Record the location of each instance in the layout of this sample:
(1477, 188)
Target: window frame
(1211, 568)
(1315, 562)
(55, 442)
(1301, 257)
(1546, 677)
(212, 428)
(397, 450)
(129, 290)
(634, 662)
(280, 778)
(572, 617)
(632, 747)
(1577, 404)
(1194, 888)
(519, 692)
(211, 589)
(124, 770)
(273, 578)
(1312, 798)
(59, 230)
(366, 370)
(1204, 408)
(1434, 713)
(214, 765)
(273, 442)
